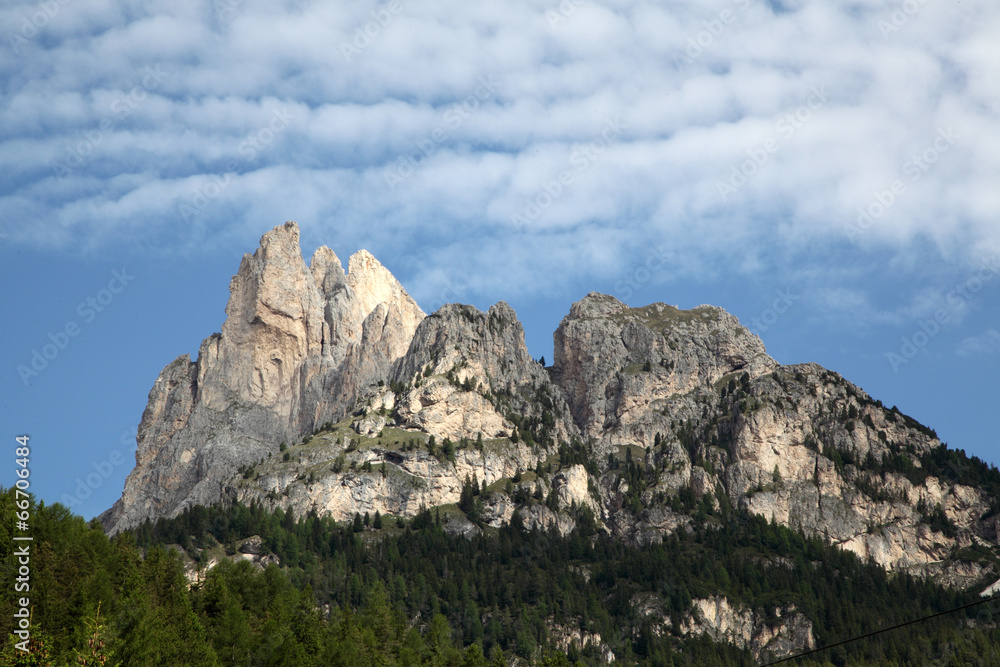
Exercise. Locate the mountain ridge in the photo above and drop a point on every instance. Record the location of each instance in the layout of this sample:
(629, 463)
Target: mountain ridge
(387, 409)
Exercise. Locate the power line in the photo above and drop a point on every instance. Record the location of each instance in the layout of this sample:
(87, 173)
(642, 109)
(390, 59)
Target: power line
(878, 632)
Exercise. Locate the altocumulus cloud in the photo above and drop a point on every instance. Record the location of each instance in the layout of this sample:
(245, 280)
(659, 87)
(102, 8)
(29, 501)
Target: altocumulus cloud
(986, 344)
(698, 89)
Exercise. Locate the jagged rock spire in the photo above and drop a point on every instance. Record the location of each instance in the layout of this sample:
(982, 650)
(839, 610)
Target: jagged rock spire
(298, 345)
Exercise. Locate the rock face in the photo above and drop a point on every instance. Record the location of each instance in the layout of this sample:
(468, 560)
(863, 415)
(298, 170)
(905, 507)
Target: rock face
(386, 410)
(617, 364)
(694, 397)
(476, 373)
(299, 343)
(786, 632)
(721, 621)
(468, 381)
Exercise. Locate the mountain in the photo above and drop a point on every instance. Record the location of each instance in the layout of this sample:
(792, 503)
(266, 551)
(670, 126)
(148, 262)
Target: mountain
(299, 343)
(331, 392)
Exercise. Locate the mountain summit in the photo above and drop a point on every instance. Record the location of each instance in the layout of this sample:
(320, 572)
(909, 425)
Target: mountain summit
(331, 392)
(298, 345)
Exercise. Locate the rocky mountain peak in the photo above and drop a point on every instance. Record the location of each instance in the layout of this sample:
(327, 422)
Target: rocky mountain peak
(596, 304)
(364, 262)
(281, 240)
(614, 362)
(298, 345)
(458, 334)
(331, 391)
(374, 284)
(469, 371)
(274, 321)
(327, 271)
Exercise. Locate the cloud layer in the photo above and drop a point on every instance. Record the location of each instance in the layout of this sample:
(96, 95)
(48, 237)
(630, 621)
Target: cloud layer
(502, 137)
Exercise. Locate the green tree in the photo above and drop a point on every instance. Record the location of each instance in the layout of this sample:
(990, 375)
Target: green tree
(39, 650)
(100, 646)
(160, 627)
(474, 657)
(497, 658)
(226, 621)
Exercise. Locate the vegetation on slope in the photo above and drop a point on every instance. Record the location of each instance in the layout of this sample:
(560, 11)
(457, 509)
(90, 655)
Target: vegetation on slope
(407, 593)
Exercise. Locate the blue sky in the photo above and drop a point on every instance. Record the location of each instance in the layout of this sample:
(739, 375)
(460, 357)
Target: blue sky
(827, 173)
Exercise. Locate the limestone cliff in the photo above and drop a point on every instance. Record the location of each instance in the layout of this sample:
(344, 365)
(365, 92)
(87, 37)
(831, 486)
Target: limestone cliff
(619, 365)
(330, 391)
(451, 411)
(298, 344)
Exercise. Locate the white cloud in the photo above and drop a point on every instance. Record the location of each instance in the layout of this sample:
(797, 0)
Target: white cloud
(985, 344)
(692, 115)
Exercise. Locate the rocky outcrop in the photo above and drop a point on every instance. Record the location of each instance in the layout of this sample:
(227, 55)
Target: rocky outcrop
(469, 372)
(467, 381)
(781, 633)
(572, 488)
(619, 364)
(394, 475)
(734, 624)
(564, 637)
(647, 417)
(199, 563)
(298, 344)
(694, 397)
(817, 454)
